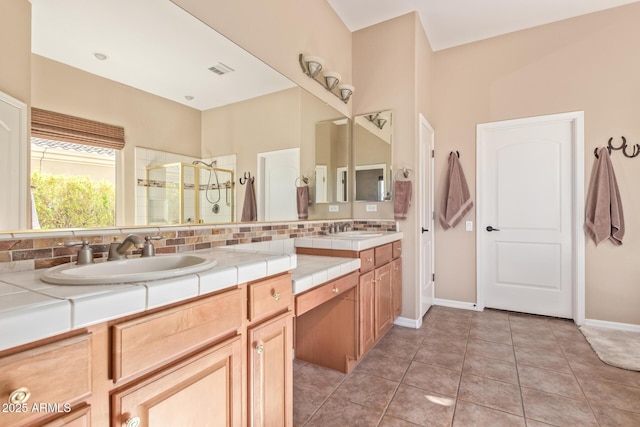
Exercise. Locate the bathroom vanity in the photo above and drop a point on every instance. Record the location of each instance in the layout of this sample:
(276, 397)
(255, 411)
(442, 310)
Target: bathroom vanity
(216, 344)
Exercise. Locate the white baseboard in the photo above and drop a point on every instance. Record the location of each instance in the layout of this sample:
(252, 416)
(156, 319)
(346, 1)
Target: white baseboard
(612, 325)
(408, 323)
(456, 304)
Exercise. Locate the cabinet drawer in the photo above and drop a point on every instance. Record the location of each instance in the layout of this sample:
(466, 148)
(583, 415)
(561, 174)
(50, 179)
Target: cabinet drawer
(367, 260)
(269, 296)
(324, 293)
(148, 342)
(383, 254)
(397, 249)
(56, 373)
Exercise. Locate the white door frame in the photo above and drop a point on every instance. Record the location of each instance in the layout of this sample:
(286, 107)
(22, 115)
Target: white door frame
(16, 195)
(422, 203)
(578, 267)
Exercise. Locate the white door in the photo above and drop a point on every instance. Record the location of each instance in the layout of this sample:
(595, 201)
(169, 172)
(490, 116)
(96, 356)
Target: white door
(425, 197)
(13, 163)
(526, 213)
(321, 183)
(278, 172)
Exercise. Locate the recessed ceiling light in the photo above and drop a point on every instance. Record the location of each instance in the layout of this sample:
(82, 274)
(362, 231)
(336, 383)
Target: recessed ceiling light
(188, 98)
(100, 56)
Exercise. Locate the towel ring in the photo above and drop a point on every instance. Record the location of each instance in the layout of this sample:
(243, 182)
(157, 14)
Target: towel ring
(406, 172)
(302, 178)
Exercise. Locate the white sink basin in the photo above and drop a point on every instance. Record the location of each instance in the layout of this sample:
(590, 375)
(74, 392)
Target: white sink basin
(358, 234)
(127, 270)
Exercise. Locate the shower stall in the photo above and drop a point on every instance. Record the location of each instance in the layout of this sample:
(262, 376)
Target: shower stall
(189, 193)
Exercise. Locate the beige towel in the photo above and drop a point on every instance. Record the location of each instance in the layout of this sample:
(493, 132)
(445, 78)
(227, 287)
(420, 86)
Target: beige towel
(401, 199)
(603, 211)
(302, 196)
(249, 208)
(456, 200)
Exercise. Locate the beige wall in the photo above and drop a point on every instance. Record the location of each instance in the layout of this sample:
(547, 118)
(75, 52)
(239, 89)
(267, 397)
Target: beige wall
(392, 67)
(15, 49)
(587, 63)
(148, 120)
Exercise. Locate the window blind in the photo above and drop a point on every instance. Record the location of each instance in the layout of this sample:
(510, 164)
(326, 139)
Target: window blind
(62, 127)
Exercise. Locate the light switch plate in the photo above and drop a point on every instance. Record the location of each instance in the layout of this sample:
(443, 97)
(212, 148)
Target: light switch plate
(334, 208)
(372, 208)
(469, 226)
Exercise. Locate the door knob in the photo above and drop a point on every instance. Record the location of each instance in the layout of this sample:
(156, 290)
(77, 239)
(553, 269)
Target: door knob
(425, 230)
(490, 228)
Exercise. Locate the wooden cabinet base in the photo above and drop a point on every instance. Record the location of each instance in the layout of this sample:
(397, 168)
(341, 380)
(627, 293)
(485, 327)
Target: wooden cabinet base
(326, 335)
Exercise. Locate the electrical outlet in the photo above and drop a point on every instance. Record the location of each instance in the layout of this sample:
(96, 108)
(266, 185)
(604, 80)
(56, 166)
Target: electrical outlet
(372, 208)
(469, 226)
(334, 208)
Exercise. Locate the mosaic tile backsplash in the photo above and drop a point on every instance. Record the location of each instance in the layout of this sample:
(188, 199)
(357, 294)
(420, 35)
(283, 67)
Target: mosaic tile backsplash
(28, 251)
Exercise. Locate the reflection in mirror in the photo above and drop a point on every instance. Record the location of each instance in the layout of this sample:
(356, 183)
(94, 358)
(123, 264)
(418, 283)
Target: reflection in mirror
(332, 161)
(240, 108)
(372, 134)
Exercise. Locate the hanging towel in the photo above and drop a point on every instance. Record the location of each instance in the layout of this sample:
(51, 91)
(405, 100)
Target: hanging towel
(249, 209)
(603, 211)
(456, 200)
(401, 199)
(302, 195)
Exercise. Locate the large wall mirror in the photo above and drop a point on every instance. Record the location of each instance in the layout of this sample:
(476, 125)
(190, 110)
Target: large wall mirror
(198, 113)
(372, 139)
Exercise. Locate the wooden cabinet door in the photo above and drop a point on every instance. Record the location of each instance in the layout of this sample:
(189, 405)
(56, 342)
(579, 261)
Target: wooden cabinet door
(383, 304)
(366, 334)
(396, 287)
(271, 372)
(204, 390)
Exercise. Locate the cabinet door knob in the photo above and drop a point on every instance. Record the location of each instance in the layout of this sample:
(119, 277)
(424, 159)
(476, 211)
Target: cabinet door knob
(20, 395)
(133, 422)
(369, 259)
(399, 249)
(336, 290)
(276, 296)
(260, 349)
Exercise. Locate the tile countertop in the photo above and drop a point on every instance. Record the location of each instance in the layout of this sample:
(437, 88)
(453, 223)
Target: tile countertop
(340, 241)
(31, 309)
(315, 270)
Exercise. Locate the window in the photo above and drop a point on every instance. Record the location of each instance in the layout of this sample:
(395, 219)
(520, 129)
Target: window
(73, 164)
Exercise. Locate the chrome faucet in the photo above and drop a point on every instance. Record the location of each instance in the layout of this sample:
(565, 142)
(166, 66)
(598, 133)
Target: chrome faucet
(119, 250)
(342, 227)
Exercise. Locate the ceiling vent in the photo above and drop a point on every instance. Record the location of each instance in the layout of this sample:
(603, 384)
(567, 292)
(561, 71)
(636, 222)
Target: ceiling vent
(221, 69)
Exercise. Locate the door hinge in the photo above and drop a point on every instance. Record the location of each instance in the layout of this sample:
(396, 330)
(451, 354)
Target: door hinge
(433, 277)
(433, 153)
(433, 215)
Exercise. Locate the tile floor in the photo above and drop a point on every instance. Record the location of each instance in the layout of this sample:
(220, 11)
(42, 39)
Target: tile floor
(467, 368)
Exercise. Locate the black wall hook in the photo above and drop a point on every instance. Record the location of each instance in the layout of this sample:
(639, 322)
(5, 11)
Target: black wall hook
(623, 147)
(247, 176)
(457, 153)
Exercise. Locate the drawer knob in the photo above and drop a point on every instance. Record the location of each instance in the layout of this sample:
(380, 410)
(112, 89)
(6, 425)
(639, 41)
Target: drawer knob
(369, 259)
(336, 290)
(260, 349)
(19, 396)
(133, 422)
(276, 296)
(399, 249)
